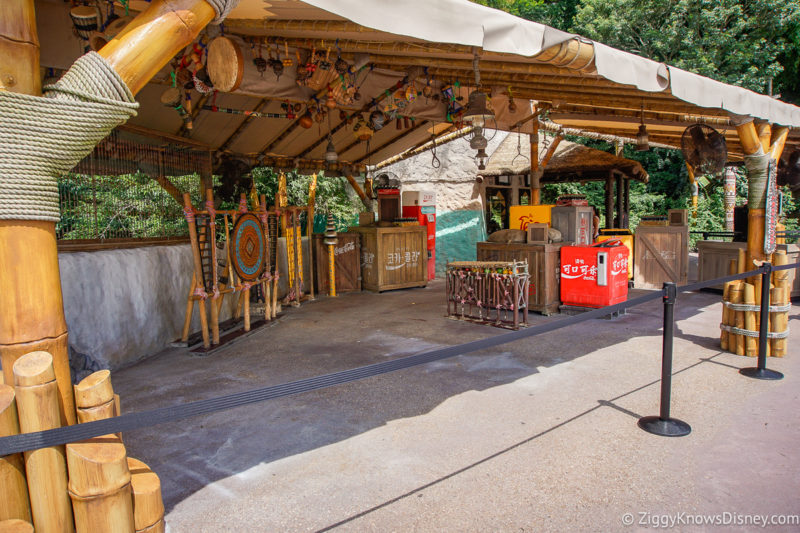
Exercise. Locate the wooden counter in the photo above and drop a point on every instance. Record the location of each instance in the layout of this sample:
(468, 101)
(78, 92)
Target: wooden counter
(544, 264)
(393, 257)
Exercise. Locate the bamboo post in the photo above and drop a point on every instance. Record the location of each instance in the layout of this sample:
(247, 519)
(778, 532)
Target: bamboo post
(14, 502)
(536, 186)
(37, 403)
(298, 258)
(211, 241)
(312, 198)
(751, 343)
(736, 341)
(694, 188)
(95, 398)
(198, 268)
(780, 296)
(726, 295)
(100, 486)
(15, 525)
(148, 507)
(187, 321)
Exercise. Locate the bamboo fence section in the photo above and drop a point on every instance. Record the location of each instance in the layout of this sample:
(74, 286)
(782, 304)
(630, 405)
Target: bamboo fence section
(741, 309)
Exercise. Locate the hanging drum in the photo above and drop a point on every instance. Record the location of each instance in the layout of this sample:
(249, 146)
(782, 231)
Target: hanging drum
(84, 19)
(225, 64)
(248, 247)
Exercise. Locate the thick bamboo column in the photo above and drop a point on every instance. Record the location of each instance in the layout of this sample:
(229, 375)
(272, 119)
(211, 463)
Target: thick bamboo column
(14, 502)
(46, 469)
(751, 343)
(735, 341)
(780, 296)
(148, 507)
(100, 486)
(31, 306)
(751, 145)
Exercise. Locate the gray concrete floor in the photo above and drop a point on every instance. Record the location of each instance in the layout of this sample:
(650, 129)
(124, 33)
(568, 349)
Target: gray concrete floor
(538, 435)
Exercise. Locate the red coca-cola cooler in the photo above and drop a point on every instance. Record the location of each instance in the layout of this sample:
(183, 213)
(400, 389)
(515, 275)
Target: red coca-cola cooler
(594, 276)
(422, 206)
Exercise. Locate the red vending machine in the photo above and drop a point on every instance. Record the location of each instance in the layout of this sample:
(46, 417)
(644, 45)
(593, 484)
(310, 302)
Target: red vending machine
(594, 276)
(422, 206)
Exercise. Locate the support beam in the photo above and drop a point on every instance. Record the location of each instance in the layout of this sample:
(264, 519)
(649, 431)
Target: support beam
(764, 132)
(693, 188)
(620, 223)
(360, 192)
(609, 197)
(778, 141)
(393, 140)
(536, 176)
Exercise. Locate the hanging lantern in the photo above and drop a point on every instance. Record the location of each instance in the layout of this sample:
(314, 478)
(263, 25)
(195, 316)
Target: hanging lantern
(642, 139)
(512, 106)
(477, 111)
(330, 152)
(377, 120)
(330, 232)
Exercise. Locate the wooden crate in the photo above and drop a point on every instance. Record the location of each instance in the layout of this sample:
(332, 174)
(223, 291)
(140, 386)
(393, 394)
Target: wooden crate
(348, 263)
(544, 265)
(662, 254)
(393, 257)
(714, 258)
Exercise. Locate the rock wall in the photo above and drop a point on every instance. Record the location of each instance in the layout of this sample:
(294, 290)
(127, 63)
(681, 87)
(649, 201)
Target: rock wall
(124, 305)
(459, 204)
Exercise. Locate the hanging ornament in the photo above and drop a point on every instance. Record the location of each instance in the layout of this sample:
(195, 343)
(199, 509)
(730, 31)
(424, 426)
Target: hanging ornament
(260, 62)
(341, 66)
(276, 64)
(330, 103)
(411, 93)
(306, 121)
(287, 59)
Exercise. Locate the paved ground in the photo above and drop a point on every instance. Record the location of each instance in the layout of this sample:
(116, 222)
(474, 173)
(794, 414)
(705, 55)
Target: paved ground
(538, 435)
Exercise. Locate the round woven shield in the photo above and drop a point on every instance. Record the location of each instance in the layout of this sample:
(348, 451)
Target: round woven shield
(248, 247)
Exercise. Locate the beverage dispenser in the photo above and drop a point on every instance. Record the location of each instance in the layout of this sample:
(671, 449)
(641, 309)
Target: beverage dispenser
(422, 206)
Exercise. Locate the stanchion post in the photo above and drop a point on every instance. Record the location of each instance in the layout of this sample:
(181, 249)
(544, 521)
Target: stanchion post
(663, 424)
(761, 371)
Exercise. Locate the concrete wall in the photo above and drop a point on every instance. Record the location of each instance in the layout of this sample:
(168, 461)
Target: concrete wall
(124, 305)
(459, 204)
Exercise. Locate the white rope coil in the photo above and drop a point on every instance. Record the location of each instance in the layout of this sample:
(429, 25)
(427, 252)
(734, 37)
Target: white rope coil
(751, 333)
(222, 8)
(747, 307)
(42, 137)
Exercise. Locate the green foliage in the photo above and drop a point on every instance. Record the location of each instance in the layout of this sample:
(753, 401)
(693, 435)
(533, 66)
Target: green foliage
(741, 42)
(334, 195)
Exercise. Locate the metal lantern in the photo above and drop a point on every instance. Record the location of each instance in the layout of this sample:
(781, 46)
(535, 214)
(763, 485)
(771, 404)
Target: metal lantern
(477, 111)
(642, 139)
(330, 152)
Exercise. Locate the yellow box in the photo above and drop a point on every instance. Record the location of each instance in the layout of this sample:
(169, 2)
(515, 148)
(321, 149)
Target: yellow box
(519, 216)
(627, 240)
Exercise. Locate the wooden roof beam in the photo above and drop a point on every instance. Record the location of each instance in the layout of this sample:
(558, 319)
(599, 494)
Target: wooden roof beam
(393, 140)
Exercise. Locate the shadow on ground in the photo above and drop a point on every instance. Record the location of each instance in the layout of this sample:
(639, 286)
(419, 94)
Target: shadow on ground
(329, 335)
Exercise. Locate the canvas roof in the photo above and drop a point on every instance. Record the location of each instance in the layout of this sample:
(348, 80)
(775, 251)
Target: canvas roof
(570, 161)
(583, 84)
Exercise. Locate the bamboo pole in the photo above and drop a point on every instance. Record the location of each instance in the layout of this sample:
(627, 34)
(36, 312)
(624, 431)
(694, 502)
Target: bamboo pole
(751, 145)
(37, 403)
(154, 37)
(19, 40)
(694, 189)
(749, 298)
(14, 502)
(211, 242)
(726, 295)
(764, 132)
(780, 296)
(148, 507)
(535, 175)
(736, 341)
(312, 198)
(361, 194)
(198, 271)
(100, 485)
(187, 321)
(15, 525)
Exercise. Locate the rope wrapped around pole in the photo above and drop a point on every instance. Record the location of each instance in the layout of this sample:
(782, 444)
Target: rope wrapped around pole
(42, 137)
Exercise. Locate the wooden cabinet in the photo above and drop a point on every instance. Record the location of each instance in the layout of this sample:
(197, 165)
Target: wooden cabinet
(662, 254)
(347, 254)
(543, 265)
(393, 257)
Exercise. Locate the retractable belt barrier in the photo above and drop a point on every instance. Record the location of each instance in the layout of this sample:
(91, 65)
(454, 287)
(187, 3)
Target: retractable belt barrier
(132, 421)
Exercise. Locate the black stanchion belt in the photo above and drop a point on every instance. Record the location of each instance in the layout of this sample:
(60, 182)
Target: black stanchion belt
(132, 421)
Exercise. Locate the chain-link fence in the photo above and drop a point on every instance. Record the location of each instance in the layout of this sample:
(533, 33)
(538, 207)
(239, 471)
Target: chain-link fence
(130, 187)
